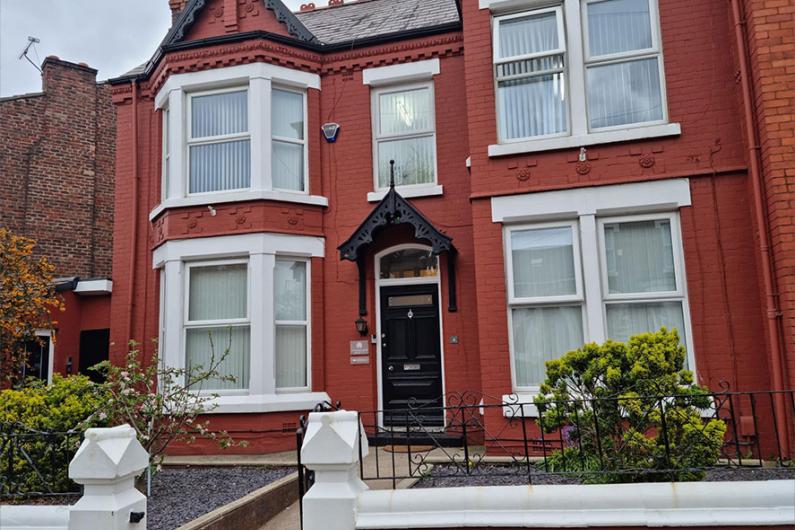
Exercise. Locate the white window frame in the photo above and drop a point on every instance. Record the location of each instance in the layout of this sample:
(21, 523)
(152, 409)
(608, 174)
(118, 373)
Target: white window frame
(302, 142)
(166, 147)
(258, 79)
(593, 61)
(590, 213)
(677, 295)
(574, 300)
(210, 140)
(577, 59)
(220, 323)
(378, 138)
(260, 250)
(561, 50)
(307, 323)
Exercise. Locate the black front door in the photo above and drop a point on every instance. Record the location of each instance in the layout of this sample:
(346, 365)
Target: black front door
(411, 360)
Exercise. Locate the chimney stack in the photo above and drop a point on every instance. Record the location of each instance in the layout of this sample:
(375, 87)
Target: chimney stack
(176, 8)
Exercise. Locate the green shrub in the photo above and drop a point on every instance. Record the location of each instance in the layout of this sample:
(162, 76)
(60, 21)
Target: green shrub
(629, 412)
(39, 460)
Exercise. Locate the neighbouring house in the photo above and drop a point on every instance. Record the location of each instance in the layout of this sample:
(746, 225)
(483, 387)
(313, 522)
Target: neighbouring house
(57, 156)
(564, 171)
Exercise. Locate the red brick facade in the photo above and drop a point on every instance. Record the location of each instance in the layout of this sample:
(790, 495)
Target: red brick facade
(57, 157)
(721, 251)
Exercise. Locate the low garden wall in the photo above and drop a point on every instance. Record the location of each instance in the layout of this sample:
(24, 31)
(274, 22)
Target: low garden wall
(339, 500)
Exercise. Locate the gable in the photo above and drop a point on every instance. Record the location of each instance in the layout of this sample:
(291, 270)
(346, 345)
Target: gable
(202, 19)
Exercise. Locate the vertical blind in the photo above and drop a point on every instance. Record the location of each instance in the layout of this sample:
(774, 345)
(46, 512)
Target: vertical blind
(543, 262)
(221, 160)
(290, 280)
(531, 91)
(628, 91)
(287, 121)
(406, 135)
(218, 299)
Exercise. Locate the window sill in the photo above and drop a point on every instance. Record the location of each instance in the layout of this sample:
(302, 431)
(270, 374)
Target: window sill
(408, 193)
(511, 408)
(265, 403)
(567, 142)
(238, 196)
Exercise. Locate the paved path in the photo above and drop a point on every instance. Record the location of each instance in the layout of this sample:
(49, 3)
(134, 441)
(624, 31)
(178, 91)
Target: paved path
(289, 518)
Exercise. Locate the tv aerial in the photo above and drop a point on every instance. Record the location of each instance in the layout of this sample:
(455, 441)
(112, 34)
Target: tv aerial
(32, 41)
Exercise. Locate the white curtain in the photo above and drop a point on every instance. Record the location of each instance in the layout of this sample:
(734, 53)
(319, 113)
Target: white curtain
(405, 112)
(287, 119)
(414, 161)
(290, 280)
(206, 346)
(216, 294)
(626, 320)
(617, 26)
(622, 93)
(640, 257)
(288, 166)
(541, 334)
(543, 262)
(530, 34)
(219, 114)
(287, 116)
(220, 166)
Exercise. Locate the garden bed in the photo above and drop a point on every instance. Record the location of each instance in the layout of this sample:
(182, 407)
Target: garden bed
(448, 476)
(180, 495)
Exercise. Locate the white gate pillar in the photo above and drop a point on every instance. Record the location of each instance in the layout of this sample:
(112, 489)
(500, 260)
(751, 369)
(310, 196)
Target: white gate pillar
(107, 464)
(331, 450)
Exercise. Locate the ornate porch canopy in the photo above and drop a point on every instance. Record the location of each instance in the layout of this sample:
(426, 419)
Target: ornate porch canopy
(395, 210)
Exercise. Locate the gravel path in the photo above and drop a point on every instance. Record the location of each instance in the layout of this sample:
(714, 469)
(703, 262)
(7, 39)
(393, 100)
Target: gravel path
(491, 475)
(182, 494)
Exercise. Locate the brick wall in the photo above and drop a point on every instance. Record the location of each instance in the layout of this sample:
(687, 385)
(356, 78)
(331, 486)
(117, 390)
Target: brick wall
(771, 41)
(57, 167)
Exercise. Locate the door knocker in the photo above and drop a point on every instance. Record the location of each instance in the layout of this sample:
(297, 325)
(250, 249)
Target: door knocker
(410, 314)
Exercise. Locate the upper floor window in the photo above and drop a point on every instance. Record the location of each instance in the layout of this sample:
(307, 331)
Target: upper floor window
(404, 130)
(219, 143)
(234, 134)
(289, 145)
(582, 67)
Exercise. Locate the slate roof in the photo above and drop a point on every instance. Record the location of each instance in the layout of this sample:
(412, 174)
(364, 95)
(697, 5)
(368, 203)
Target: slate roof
(373, 18)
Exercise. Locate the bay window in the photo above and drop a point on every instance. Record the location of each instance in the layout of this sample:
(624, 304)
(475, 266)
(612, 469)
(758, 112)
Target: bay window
(579, 73)
(628, 279)
(236, 134)
(404, 127)
(241, 305)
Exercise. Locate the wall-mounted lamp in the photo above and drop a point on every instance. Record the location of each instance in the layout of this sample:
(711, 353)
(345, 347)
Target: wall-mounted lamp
(361, 326)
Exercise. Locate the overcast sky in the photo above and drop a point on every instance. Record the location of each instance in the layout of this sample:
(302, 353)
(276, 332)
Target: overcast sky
(112, 36)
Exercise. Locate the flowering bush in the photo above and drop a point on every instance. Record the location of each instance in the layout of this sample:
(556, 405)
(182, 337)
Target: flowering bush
(629, 412)
(161, 403)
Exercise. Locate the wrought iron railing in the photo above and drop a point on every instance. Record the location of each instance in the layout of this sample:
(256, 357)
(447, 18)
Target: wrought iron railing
(35, 463)
(517, 441)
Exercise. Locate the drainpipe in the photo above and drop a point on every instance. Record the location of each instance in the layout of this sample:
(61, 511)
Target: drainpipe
(771, 299)
(134, 235)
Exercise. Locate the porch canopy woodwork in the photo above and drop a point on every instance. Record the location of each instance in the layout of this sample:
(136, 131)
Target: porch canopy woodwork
(395, 210)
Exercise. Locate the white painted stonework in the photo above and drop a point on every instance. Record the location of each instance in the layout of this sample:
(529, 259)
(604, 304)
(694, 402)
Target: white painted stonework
(106, 464)
(401, 73)
(340, 501)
